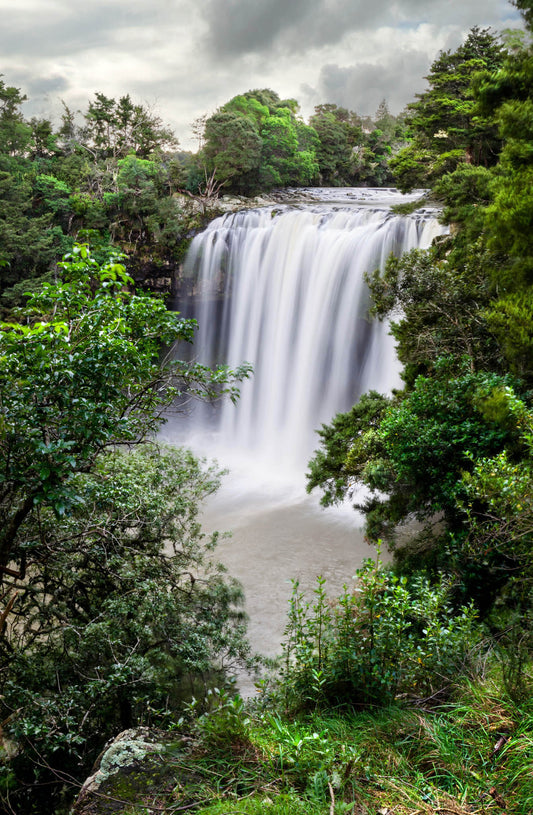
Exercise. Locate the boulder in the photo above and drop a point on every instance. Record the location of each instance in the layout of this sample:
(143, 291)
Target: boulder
(129, 767)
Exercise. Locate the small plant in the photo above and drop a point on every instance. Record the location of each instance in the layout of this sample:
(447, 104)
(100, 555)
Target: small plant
(297, 748)
(225, 721)
(389, 637)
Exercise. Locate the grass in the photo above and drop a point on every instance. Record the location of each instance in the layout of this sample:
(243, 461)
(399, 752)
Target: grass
(472, 756)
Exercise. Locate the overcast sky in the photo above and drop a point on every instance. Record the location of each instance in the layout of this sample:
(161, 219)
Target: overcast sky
(185, 58)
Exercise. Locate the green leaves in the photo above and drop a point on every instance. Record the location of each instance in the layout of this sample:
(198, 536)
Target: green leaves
(411, 452)
(125, 613)
(255, 141)
(446, 126)
(348, 446)
(386, 637)
(121, 126)
(83, 374)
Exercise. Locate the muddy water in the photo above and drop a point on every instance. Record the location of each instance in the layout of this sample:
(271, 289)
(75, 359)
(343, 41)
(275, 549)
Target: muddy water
(273, 544)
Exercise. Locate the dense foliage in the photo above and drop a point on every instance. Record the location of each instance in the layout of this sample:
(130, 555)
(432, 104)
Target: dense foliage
(110, 599)
(81, 374)
(123, 614)
(256, 141)
(391, 637)
(444, 465)
(109, 179)
(445, 124)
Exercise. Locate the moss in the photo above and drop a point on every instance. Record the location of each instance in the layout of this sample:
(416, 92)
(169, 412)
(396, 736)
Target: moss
(123, 753)
(409, 207)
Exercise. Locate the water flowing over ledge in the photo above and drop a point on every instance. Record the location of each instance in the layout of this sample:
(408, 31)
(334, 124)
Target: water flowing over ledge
(282, 287)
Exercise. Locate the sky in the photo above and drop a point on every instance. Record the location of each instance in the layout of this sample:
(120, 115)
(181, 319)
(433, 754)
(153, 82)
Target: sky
(186, 58)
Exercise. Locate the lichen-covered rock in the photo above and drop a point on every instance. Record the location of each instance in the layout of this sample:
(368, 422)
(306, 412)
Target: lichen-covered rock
(126, 770)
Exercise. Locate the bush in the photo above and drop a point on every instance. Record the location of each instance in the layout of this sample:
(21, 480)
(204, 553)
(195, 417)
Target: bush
(387, 638)
(127, 616)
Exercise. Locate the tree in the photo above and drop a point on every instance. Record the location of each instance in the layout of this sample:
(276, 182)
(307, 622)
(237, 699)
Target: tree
(112, 599)
(15, 134)
(334, 145)
(414, 450)
(138, 189)
(507, 96)
(116, 128)
(280, 144)
(445, 125)
(124, 616)
(28, 242)
(79, 376)
(233, 148)
(255, 141)
(438, 308)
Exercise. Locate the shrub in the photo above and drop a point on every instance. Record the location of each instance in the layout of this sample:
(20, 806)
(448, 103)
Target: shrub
(390, 637)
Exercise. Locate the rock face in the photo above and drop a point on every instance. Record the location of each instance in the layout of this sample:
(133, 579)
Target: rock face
(165, 275)
(125, 771)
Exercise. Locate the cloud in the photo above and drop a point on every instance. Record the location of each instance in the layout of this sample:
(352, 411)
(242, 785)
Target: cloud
(188, 57)
(62, 28)
(362, 87)
(372, 70)
(250, 26)
(43, 86)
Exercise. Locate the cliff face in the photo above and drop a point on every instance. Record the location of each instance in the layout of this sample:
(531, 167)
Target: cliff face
(158, 265)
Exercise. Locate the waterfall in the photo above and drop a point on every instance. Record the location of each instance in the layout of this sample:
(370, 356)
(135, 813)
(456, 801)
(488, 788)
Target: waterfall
(283, 288)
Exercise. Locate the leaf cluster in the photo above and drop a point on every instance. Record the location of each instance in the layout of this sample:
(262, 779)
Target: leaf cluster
(446, 127)
(82, 374)
(385, 638)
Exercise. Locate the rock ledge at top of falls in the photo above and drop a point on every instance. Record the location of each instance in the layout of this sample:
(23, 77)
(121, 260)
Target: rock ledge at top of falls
(212, 207)
(294, 196)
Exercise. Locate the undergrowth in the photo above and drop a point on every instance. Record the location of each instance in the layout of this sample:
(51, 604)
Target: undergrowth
(390, 701)
(472, 754)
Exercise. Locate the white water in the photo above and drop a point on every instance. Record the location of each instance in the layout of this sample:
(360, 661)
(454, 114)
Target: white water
(295, 305)
(283, 288)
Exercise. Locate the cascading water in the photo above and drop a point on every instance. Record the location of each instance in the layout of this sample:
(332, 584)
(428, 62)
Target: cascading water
(283, 288)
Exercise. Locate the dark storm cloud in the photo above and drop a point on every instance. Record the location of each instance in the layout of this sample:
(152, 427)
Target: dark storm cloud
(238, 27)
(241, 26)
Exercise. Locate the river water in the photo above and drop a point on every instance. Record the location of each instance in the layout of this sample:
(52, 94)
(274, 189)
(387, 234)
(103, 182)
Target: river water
(282, 287)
